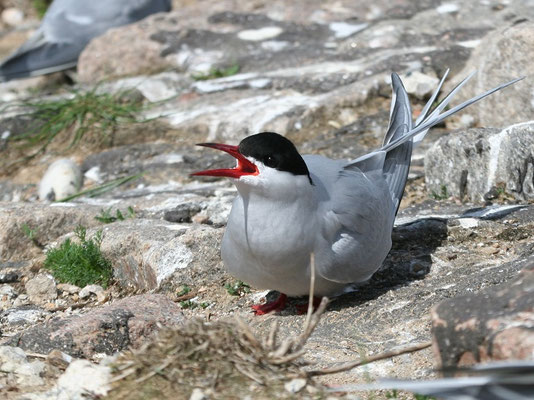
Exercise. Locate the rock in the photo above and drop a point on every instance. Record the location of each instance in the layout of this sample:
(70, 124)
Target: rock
(420, 85)
(8, 291)
(11, 358)
(47, 222)
(13, 361)
(58, 359)
(491, 59)
(294, 76)
(23, 315)
(68, 288)
(12, 16)
(472, 165)
(62, 179)
(9, 277)
(182, 213)
(135, 52)
(7, 295)
(29, 374)
(22, 300)
(198, 394)
(295, 385)
(492, 325)
(105, 329)
(41, 289)
(145, 254)
(91, 289)
(82, 378)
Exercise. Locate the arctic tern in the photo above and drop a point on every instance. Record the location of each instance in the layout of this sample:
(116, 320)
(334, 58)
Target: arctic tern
(289, 206)
(67, 27)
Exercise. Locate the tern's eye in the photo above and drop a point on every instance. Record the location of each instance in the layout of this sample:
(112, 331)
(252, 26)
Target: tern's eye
(270, 161)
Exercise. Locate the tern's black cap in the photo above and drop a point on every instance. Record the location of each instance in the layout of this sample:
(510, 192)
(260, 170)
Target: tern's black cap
(274, 151)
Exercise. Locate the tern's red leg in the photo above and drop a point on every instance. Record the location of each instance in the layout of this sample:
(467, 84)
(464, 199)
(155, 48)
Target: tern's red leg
(303, 308)
(278, 305)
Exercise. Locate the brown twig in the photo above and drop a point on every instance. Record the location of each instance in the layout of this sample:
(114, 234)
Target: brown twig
(377, 357)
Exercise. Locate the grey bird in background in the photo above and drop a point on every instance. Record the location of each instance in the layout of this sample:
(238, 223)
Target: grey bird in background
(289, 206)
(503, 380)
(67, 27)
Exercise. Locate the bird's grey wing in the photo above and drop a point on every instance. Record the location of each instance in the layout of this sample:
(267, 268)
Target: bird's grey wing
(84, 20)
(357, 227)
(38, 57)
(397, 161)
(67, 28)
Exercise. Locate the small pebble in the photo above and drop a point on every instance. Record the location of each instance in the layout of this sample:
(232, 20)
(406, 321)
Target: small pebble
(90, 289)
(58, 359)
(295, 385)
(12, 16)
(68, 288)
(197, 394)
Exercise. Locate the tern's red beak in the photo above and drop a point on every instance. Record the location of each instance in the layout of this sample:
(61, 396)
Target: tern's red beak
(244, 166)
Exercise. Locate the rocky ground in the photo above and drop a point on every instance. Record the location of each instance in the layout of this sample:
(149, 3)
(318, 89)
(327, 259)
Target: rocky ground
(460, 271)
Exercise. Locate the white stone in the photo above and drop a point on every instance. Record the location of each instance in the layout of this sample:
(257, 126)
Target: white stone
(168, 258)
(447, 8)
(256, 35)
(197, 394)
(12, 16)
(343, 29)
(93, 174)
(68, 288)
(420, 85)
(295, 385)
(41, 289)
(8, 290)
(259, 83)
(63, 178)
(90, 289)
(11, 358)
(80, 378)
(24, 316)
(29, 374)
(274, 45)
(470, 44)
(21, 300)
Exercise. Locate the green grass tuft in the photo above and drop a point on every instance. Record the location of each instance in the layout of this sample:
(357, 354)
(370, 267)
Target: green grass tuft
(107, 217)
(237, 288)
(444, 194)
(193, 304)
(31, 234)
(215, 73)
(185, 290)
(80, 264)
(85, 112)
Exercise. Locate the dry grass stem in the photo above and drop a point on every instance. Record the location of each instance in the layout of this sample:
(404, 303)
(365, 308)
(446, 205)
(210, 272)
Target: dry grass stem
(377, 357)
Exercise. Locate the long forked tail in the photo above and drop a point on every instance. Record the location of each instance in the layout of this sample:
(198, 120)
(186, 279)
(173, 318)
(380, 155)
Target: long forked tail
(394, 155)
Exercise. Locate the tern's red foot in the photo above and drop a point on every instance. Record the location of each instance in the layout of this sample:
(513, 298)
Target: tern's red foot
(278, 305)
(303, 308)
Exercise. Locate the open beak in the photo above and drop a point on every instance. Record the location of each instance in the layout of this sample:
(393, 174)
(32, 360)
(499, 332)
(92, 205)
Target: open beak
(244, 166)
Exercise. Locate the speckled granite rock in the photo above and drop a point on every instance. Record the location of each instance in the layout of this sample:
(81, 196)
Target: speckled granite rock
(105, 329)
(476, 164)
(490, 325)
(502, 55)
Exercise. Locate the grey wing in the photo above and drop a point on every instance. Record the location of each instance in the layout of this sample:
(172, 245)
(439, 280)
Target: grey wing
(67, 28)
(397, 161)
(80, 21)
(360, 222)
